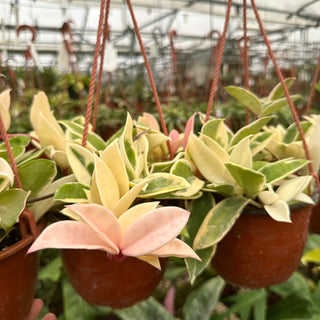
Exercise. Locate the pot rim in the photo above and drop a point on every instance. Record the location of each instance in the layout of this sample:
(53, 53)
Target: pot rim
(250, 210)
(21, 244)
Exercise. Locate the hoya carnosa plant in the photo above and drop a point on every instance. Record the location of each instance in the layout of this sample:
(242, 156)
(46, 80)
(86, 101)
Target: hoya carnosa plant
(262, 107)
(237, 167)
(143, 231)
(286, 142)
(50, 134)
(158, 141)
(117, 175)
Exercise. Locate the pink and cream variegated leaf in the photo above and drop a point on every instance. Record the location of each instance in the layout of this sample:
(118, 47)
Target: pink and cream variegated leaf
(101, 220)
(71, 235)
(175, 141)
(188, 130)
(153, 230)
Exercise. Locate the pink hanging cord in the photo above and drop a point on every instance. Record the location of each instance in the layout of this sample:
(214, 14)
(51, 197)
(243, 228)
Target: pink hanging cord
(152, 83)
(314, 81)
(287, 94)
(219, 62)
(93, 73)
(106, 34)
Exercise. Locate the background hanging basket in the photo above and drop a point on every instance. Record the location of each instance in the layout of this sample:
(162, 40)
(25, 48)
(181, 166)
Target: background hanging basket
(258, 251)
(117, 284)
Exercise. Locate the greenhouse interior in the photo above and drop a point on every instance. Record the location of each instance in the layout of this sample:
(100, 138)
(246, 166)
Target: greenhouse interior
(159, 160)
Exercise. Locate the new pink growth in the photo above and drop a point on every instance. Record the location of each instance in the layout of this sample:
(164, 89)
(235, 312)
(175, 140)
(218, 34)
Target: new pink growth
(153, 233)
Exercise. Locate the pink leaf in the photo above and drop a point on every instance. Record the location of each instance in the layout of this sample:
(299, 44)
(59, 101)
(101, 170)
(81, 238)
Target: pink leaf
(71, 235)
(176, 248)
(169, 299)
(175, 141)
(149, 120)
(153, 230)
(101, 220)
(188, 130)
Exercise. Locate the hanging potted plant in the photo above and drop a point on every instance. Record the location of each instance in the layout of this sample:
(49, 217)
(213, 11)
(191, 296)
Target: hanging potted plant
(115, 242)
(259, 177)
(33, 179)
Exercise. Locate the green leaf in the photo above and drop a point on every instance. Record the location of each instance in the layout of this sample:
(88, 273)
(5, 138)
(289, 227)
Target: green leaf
(218, 221)
(51, 271)
(247, 98)
(277, 92)
(36, 175)
(72, 192)
(251, 182)
(244, 302)
(74, 306)
(216, 130)
(260, 141)
(145, 310)
(296, 283)
(281, 169)
(224, 189)
(250, 129)
(292, 133)
(12, 203)
(201, 302)
(195, 267)
(16, 151)
(93, 139)
(276, 105)
(295, 306)
(198, 211)
(30, 155)
(16, 142)
(182, 168)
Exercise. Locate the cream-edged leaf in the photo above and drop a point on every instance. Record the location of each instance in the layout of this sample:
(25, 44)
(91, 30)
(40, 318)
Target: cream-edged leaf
(241, 153)
(6, 175)
(162, 183)
(41, 109)
(206, 160)
(176, 248)
(218, 222)
(5, 98)
(288, 190)
(5, 115)
(125, 202)
(279, 211)
(106, 184)
(81, 161)
(112, 157)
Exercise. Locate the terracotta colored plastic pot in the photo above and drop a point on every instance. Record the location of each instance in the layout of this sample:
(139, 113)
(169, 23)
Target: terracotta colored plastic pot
(117, 284)
(258, 251)
(18, 272)
(315, 219)
(18, 280)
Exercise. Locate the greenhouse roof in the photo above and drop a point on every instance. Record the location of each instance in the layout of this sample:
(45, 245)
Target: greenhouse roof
(293, 27)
